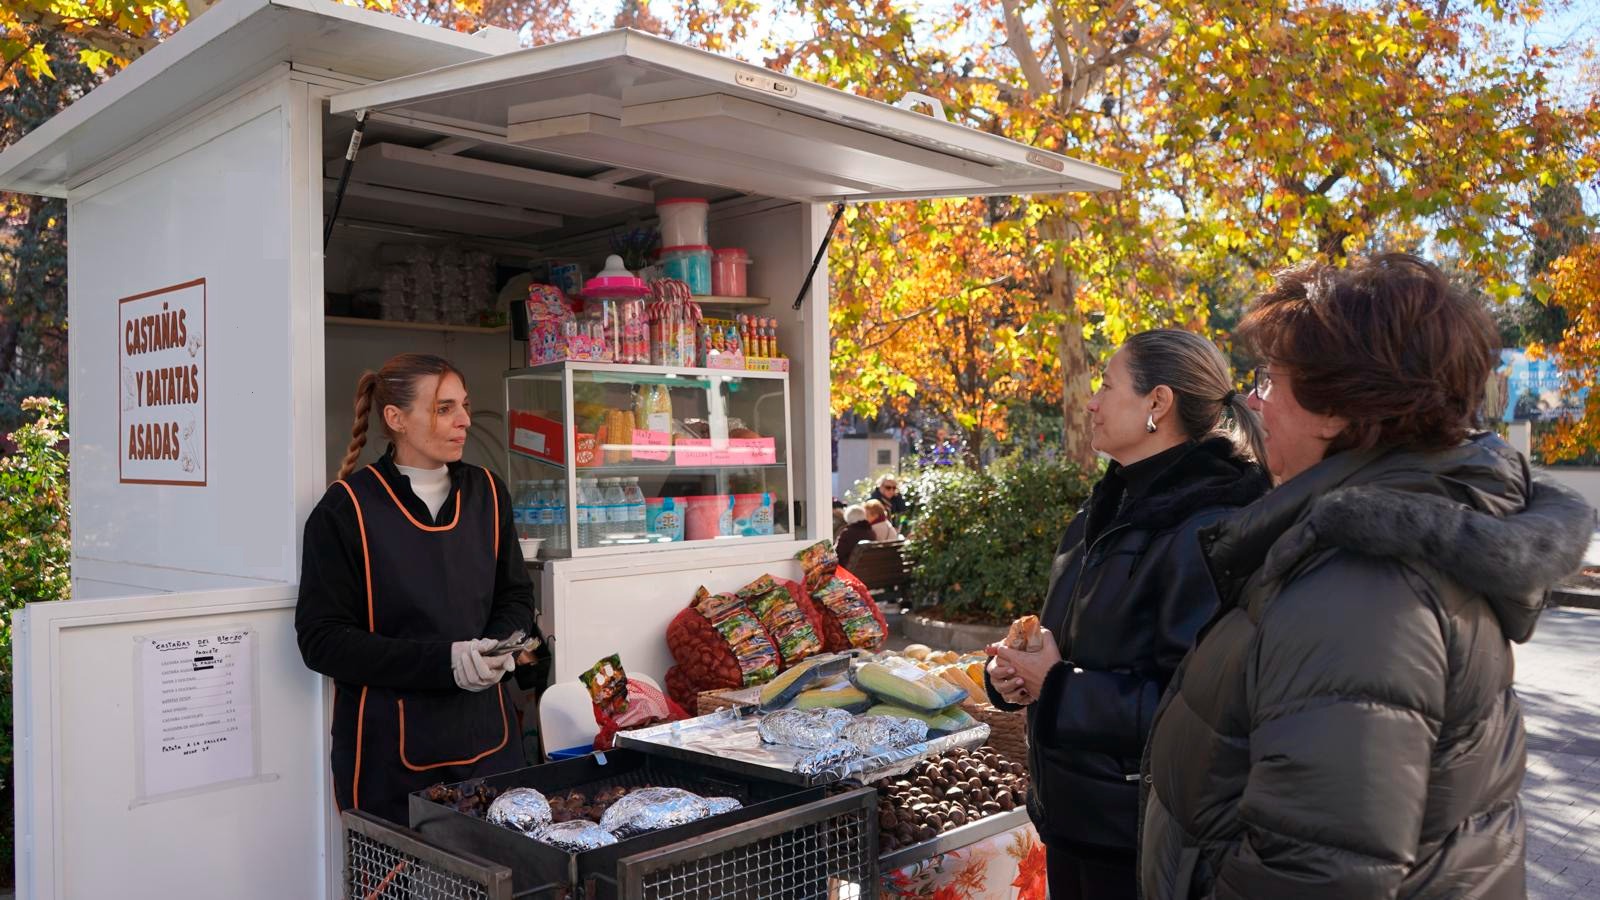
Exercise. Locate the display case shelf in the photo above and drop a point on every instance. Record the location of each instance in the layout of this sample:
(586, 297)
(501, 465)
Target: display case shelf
(563, 412)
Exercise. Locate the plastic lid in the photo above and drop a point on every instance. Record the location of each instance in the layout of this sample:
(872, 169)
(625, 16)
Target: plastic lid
(687, 248)
(615, 281)
(671, 200)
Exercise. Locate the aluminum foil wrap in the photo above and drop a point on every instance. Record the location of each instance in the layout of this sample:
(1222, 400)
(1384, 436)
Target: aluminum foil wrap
(652, 809)
(521, 809)
(797, 728)
(828, 758)
(835, 719)
(575, 836)
(878, 734)
(716, 806)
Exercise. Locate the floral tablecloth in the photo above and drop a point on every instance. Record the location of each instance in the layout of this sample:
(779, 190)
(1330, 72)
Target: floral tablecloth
(1008, 865)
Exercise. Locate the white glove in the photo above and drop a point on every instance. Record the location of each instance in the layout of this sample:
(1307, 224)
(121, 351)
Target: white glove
(473, 670)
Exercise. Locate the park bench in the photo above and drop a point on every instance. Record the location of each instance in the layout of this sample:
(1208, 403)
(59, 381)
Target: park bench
(882, 566)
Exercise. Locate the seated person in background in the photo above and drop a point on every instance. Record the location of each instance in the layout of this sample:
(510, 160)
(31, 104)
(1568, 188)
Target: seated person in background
(838, 519)
(888, 493)
(856, 530)
(878, 517)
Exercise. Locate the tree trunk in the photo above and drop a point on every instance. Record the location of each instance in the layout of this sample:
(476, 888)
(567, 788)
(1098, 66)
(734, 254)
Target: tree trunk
(1076, 373)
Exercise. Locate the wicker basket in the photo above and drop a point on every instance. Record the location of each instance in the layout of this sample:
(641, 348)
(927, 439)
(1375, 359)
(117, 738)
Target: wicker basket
(709, 702)
(1008, 731)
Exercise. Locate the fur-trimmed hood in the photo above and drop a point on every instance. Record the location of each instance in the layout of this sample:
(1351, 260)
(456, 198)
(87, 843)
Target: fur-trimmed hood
(1474, 513)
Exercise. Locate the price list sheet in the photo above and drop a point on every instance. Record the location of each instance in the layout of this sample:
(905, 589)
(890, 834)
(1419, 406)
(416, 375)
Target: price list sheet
(198, 711)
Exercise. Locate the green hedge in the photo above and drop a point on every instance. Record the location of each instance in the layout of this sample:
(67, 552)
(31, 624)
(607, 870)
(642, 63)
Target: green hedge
(983, 541)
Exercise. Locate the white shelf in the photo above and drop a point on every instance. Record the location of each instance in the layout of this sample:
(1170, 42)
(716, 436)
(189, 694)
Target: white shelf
(732, 301)
(643, 370)
(415, 326)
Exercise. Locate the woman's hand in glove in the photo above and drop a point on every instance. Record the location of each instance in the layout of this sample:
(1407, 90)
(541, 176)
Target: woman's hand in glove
(473, 670)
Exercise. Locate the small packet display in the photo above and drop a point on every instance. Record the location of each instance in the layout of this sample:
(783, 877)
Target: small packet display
(819, 562)
(608, 685)
(860, 627)
(783, 619)
(758, 659)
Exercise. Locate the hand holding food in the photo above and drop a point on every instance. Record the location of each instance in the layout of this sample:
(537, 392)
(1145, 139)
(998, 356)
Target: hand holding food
(1032, 666)
(1025, 634)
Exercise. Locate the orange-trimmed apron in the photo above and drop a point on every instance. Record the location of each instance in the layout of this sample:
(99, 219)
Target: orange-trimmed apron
(425, 583)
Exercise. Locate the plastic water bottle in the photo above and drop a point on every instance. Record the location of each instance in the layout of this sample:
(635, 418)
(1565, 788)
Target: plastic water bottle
(556, 506)
(635, 500)
(589, 512)
(545, 512)
(521, 506)
(616, 510)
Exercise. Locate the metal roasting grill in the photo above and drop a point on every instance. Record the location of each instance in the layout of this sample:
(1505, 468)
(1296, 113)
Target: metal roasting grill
(385, 862)
(826, 850)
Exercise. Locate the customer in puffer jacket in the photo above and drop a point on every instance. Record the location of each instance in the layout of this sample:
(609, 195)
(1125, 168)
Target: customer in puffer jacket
(1346, 726)
(1128, 591)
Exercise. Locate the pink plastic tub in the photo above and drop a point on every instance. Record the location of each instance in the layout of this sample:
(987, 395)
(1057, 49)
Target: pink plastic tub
(707, 517)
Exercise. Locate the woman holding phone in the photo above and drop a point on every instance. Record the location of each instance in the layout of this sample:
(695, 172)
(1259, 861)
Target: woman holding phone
(411, 578)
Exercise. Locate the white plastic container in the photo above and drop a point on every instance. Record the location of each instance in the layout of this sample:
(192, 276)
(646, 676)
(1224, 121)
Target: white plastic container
(683, 221)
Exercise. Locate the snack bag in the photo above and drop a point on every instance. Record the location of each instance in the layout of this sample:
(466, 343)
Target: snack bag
(646, 707)
(789, 625)
(852, 618)
(757, 658)
(608, 685)
(819, 562)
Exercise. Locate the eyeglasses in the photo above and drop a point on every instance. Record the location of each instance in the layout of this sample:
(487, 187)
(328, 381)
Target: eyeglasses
(1261, 383)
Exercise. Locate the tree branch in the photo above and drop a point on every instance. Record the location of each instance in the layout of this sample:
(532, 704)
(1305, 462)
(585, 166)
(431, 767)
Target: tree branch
(1022, 48)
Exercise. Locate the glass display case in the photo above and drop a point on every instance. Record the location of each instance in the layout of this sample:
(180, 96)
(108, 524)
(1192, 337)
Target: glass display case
(609, 458)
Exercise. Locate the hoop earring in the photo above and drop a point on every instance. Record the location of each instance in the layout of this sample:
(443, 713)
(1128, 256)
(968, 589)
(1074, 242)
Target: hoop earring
(1150, 423)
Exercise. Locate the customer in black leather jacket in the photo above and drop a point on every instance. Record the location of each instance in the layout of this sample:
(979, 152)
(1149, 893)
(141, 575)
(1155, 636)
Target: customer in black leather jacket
(1128, 593)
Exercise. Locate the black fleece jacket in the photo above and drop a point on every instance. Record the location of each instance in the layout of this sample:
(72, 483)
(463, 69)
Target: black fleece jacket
(330, 618)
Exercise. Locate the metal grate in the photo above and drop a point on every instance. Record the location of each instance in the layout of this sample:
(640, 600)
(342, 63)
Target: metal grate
(790, 857)
(383, 862)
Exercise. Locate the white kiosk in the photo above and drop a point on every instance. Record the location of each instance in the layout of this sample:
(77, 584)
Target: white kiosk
(170, 742)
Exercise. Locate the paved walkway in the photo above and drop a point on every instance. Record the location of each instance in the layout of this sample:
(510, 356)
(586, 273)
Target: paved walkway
(1558, 679)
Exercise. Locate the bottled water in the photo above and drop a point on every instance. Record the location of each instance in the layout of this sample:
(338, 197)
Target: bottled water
(522, 504)
(547, 513)
(635, 502)
(557, 496)
(616, 510)
(591, 516)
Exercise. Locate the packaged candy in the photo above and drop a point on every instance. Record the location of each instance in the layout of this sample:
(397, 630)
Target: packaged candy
(851, 613)
(819, 563)
(608, 685)
(783, 618)
(757, 658)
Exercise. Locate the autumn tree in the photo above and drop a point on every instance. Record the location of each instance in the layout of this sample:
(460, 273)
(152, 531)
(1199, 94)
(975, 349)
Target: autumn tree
(1251, 137)
(1574, 282)
(931, 305)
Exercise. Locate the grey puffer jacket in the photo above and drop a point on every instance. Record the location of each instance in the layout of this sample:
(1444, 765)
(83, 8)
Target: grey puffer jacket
(1345, 727)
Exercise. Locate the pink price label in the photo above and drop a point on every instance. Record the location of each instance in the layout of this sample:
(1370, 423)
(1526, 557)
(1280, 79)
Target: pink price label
(643, 439)
(752, 451)
(693, 452)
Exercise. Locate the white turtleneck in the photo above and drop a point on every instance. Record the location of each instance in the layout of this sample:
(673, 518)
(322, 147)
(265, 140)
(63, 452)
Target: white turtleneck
(431, 486)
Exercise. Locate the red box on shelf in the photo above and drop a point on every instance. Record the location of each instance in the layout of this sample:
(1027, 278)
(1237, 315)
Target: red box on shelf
(536, 436)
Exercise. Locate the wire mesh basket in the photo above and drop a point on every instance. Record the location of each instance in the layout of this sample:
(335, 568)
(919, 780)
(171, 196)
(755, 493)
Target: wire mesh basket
(826, 850)
(385, 862)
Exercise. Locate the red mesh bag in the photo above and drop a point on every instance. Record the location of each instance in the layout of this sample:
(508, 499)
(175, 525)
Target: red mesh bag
(661, 709)
(850, 619)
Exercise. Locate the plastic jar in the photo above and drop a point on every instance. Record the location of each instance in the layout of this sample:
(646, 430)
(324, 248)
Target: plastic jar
(690, 264)
(683, 221)
(727, 272)
(707, 517)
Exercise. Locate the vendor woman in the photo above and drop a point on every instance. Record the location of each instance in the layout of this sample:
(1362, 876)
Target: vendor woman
(411, 573)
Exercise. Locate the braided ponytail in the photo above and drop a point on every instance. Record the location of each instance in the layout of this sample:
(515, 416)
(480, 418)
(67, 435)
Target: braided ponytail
(393, 385)
(365, 388)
